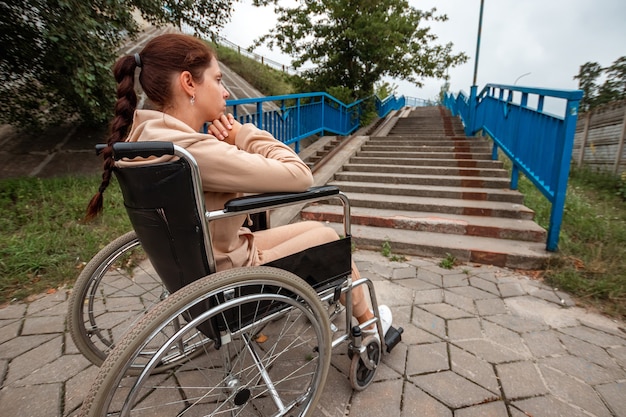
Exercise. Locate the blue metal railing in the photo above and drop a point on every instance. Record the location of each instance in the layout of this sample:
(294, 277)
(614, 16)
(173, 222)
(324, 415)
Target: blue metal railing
(291, 118)
(538, 144)
(388, 104)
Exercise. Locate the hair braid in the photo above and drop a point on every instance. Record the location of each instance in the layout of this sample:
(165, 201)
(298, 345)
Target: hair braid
(124, 72)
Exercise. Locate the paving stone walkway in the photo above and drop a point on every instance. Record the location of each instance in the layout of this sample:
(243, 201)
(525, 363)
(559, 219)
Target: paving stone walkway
(478, 341)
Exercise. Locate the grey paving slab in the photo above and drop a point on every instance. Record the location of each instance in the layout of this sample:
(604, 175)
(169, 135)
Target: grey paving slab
(422, 359)
(491, 307)
(10, 330)
(460, 301)
(32, 401)
(377, 400)
(478, 341)
(446, 311)
(573, 391)
(614, 393)
(431, 296)
(547, 406)
(416, 402)
(464, 328)
(543, 343)
(493, 409)
(510, 289)
(475, 369)
(520, 380)
(453, 390)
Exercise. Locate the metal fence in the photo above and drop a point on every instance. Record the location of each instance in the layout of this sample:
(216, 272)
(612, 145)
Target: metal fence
(539, 144)
(291, 118)
(260, 58)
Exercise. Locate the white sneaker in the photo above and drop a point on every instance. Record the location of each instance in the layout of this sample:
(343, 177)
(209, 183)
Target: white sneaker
(386, 318)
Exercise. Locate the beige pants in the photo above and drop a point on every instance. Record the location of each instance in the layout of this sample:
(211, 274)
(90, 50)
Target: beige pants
(282, 241)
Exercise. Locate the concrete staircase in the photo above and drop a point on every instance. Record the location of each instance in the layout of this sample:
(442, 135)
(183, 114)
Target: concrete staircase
(428, 190)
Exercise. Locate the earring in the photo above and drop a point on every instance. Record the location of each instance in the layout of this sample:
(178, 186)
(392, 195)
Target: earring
(193, 100)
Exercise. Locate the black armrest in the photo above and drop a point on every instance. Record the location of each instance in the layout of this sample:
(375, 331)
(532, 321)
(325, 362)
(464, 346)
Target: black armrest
(273, 199)
(143, 149)
(134, 149)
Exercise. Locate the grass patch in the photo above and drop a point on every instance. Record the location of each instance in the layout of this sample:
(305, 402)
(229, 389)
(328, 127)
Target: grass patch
(386, 252)
(591, 260)
(44, 243)
(448, 262)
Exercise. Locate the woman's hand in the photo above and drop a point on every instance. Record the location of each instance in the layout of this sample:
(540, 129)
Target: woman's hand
(225, 128)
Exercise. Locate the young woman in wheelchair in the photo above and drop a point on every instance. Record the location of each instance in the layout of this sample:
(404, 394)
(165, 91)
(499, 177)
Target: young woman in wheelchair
(181, 77)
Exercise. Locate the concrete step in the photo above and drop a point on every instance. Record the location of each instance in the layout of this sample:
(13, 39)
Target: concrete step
(463, 163)
(485, 250)
(412, 138)
(426, 139)
(442, 205)
(432, 191)
(426, 170)
(484, 156)
(427, 147)
(318, 150)
(426, 189)
(447, 181)
(425, 124)
(416, 132)
(501, 228)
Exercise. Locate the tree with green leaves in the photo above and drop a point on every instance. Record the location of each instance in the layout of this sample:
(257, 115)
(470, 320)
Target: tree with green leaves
(384, 89)
(56, 55)
(354, 43)
(587, 81)
(616, 74)
(596, 93)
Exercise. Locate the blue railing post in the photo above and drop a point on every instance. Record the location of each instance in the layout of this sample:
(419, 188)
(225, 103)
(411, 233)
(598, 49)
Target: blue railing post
(560, 192)
(299, 119)
(259, 114)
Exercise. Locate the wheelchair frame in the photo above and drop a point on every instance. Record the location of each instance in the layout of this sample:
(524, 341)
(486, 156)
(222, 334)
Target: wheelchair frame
(364, 352)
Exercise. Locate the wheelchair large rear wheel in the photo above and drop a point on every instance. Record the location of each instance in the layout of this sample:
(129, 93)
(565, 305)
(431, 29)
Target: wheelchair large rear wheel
(271, 358)
(113, 291)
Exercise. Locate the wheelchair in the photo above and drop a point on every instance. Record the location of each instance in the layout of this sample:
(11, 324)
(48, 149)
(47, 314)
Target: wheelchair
(249, 341)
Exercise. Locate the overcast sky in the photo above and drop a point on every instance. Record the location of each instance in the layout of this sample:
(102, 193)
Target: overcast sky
(542, 41)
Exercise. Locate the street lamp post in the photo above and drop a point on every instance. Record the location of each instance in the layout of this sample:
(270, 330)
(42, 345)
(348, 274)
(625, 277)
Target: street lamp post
(470, 128)
(480, 27)
(521, 76)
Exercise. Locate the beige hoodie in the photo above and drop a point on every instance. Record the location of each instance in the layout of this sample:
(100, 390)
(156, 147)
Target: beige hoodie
(257, 163)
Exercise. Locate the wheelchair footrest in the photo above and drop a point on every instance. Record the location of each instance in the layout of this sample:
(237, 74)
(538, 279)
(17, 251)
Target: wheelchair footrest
(393, 337)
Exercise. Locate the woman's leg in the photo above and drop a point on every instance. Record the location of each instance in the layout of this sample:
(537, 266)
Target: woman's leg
(285, 240)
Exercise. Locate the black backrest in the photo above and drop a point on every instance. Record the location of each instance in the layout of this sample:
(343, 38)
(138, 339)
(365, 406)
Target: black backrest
(161, 205)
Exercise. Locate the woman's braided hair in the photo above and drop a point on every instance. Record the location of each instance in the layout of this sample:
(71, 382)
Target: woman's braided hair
(162, 58)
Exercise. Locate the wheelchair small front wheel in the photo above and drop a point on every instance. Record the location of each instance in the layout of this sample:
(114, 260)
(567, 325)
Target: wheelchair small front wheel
(362, 374)
(271, 355)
